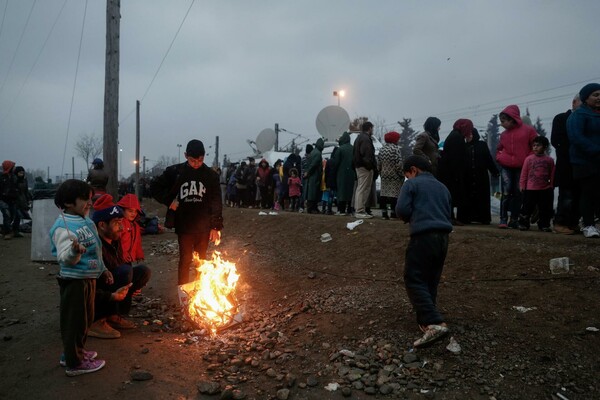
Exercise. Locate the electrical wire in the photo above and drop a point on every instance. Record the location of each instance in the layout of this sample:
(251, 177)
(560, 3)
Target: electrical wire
(15, 98)
(12, 61)
(74, 86)
(162, 61)
(3, 17)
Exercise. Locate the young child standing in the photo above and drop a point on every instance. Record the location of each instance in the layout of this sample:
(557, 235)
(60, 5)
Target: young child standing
(294, 189)
(131, 235)
(425, 203)
(537, 185)
(76, 245)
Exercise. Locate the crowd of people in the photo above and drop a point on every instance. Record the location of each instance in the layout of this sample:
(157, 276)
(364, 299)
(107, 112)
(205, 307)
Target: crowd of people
(528, 176)
(15, 199)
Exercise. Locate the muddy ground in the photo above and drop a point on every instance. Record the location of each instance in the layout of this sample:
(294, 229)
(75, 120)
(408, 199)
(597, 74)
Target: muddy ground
(331, 314)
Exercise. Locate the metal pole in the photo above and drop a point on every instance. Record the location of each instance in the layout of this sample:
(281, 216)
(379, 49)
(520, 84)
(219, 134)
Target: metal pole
(138, 193)
(73, 167)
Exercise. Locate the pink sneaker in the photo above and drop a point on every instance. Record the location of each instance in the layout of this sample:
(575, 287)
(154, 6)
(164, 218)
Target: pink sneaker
(276, 207)
(90, 355)
(86, 367)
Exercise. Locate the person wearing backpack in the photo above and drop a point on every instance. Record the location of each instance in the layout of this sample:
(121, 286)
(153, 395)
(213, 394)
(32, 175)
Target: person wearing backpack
(192, 190)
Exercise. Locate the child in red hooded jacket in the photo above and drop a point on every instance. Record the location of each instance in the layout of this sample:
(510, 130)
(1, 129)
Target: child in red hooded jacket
(131, 236)
(514, 146)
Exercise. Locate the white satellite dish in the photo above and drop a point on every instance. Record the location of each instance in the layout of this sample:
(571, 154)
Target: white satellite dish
(265, 140)
(332, 121)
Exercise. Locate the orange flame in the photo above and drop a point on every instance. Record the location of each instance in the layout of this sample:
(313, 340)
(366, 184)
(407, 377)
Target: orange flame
(212, 300)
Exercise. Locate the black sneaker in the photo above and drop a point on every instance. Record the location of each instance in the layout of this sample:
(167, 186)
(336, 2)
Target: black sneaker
(513, 224)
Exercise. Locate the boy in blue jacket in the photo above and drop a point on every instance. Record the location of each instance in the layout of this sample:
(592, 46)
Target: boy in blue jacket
(78, 250)
(426, 204)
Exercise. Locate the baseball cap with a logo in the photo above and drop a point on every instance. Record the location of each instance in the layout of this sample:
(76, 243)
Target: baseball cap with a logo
(105, 209)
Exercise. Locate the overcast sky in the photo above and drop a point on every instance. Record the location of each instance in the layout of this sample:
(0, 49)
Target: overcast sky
(238, 67)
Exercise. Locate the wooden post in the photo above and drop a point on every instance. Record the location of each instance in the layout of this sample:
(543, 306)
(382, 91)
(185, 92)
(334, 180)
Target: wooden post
(111, 95)
(138, 193)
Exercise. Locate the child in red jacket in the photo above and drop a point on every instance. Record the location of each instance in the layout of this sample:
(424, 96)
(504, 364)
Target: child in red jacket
(131, 236)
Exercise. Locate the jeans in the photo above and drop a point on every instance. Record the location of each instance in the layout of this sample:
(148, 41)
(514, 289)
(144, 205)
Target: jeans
(511, 194)
(589, 201)
(9, 211)
(567, 207)
(424, 262)
(188, 244)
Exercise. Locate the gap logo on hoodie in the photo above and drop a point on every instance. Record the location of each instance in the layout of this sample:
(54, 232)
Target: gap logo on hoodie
(192, 192)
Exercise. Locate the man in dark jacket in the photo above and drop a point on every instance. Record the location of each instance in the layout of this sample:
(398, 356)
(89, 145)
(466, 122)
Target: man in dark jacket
(365, 165)
(567, 215)
(192, 191)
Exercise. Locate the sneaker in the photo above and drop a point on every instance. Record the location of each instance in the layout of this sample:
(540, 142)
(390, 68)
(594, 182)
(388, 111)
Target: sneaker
(545, 229)
(87, 355)
(362, 216)
(503, 224)
(432, 334)
(118, 322)
(513, 224)
(564, 230)
(18, 235)
(590, 232)
(86, 367)
(523, 227)
(100, 329)
(8, 236)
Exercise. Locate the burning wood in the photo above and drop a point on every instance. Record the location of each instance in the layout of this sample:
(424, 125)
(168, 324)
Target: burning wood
(210, 300)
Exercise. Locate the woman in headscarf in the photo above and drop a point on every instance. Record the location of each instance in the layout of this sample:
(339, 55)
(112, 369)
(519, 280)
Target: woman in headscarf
(452, 163)
(426, 143)
(479, 162)
(389, 164)
(345, 173)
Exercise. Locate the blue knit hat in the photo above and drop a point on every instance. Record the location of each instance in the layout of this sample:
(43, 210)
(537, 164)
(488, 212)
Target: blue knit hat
(105, 209)
(587, 90)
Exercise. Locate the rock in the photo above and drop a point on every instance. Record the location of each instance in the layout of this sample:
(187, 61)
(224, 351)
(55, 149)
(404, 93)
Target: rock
(145, 350)
(312, 275)
(238, 395)
(385, 389)
(346, 392)
(208, 387)
(141, 375)
(283, 394)
(409, 358)
(370, 390)
(6, 338)
(312, 381)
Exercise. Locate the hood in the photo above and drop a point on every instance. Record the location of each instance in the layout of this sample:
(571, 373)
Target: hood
(320, 145)
(344, 139)
(263, 162)
(464, 126)
(130, 201)
(514, 112)
(7, 166)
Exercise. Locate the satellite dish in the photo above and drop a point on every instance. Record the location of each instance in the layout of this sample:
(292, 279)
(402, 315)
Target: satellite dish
(265, 140)
(332, 121)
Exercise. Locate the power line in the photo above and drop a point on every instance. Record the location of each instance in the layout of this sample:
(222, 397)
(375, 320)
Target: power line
(163, 60)
(15, 98)
(74, 85)
(18, 45)
(3, 17)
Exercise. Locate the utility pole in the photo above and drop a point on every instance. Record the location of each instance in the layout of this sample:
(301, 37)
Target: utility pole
(216, 162)
(276, 137)
(137, 150)
(73, 167)
(111, 94)
(144, 168)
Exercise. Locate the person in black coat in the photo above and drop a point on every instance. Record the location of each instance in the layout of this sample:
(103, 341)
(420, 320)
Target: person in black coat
(567, 215)
(479, 161)
(451, 168)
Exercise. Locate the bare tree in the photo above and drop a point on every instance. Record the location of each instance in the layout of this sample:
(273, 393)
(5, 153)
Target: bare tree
(357, 122)
(379, 128)
(88, 147)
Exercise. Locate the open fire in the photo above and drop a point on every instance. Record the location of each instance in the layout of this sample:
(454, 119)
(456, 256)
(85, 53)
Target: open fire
(211, 301)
